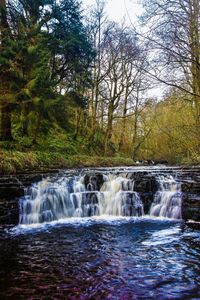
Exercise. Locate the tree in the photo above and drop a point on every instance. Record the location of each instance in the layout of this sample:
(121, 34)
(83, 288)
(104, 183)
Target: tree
(120, 52)
(173, 136)
(24, 60)
(5, 53)
(96, 26)
(45, 49)
(70, 46)
(174, 35)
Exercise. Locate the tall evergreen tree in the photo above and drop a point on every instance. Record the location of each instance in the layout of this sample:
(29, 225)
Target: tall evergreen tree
(44, 47)
(71, 50)
(5, 66)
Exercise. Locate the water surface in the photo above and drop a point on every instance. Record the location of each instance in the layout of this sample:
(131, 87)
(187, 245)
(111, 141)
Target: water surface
(97, 258)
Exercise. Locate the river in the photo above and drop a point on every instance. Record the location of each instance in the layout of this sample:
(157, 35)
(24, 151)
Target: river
(118, 252)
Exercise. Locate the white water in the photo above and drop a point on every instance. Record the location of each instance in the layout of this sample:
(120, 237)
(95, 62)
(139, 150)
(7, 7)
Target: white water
(49, 201)
(69, 197)
(167, 200)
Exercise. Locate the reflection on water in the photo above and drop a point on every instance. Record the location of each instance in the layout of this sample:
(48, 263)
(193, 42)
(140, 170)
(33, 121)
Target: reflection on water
(125, 258)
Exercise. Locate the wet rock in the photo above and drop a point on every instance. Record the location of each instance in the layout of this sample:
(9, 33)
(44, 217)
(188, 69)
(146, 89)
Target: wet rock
(9, 211)
(87, 199)
(132, 205)
(93, 182)
(147, 200)
(190, 186)
(137, 175)
(28, 179)
(146, 185)
(191, 207)
(161, 162)
(194, 225)
(186, 186)
(11, 191)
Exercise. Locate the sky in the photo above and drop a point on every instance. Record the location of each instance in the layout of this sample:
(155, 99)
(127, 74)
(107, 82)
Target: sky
(118, 9)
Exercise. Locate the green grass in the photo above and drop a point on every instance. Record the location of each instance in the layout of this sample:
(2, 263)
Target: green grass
(57, 149)
(12, 161)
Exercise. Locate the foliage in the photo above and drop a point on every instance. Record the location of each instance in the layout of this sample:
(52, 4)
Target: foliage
(45, 50)
(75, 93)
(173, 135)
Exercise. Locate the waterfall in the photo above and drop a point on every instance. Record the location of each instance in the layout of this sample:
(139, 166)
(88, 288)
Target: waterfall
(119, 197)
(100, 194)
(167, 200)
(67, 197)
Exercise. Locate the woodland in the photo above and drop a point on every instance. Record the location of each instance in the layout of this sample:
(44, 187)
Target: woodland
(75, 87)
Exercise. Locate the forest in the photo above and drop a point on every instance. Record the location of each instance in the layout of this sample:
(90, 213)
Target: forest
(75, 87)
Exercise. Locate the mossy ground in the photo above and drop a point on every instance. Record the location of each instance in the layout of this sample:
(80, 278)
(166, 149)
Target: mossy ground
(57, 149)
(12, 162)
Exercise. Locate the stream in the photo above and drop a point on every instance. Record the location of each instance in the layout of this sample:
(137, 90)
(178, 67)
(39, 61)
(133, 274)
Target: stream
(94, 236)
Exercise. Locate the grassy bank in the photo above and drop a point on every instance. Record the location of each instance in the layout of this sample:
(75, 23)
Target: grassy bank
(12, 162)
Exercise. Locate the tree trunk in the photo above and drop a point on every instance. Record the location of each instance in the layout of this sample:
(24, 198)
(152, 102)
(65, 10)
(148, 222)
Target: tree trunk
(123, 130)
(136, 114)
(25, 120)
(95, 91)
(195, 55)
(109, 128)
(137, 147)
(5, 130)
(78, 122)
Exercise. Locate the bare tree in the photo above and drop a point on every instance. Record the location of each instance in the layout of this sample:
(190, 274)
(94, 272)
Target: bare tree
(173, 31)
(120, 51)
(96, 25)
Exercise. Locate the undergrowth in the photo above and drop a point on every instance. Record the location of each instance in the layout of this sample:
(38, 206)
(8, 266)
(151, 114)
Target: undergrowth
(12, 162)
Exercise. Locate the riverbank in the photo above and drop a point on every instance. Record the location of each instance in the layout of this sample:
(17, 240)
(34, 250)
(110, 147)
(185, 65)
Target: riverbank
(12, 162)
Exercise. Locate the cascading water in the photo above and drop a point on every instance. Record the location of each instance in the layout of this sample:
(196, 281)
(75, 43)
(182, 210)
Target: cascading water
(67, 197)
(119, 198)
(97, 195)
(167, 200)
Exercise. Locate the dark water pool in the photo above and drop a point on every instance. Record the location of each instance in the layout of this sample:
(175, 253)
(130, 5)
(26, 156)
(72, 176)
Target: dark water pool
(96, 259)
